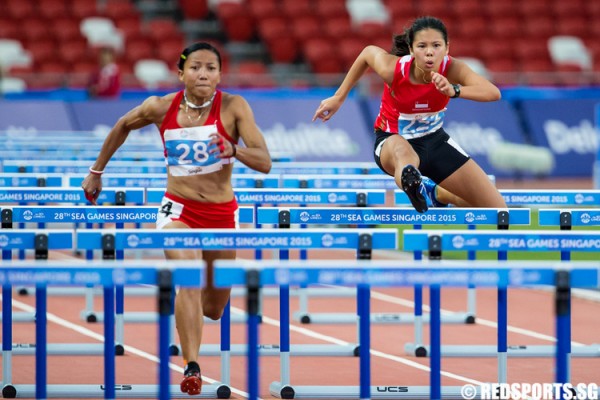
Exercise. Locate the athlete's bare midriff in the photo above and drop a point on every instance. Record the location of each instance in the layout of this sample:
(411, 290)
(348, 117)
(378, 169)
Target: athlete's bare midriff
(211, 188)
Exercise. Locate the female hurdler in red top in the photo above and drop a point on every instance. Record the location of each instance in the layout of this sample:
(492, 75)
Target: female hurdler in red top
(420, 78)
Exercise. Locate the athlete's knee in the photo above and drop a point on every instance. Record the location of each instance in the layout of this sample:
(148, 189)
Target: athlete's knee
(213, 312)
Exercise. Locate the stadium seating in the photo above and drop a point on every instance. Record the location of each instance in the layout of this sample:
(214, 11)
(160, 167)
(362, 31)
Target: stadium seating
(507, 36)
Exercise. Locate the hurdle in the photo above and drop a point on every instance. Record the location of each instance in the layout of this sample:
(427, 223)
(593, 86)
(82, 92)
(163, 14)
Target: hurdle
(366, 273)
(388, 216)
(360, 240)
(165, 274)
(502, 241)
(578, 198)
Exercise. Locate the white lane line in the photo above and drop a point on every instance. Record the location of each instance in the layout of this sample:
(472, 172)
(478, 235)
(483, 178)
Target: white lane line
(478, 320)
(130, 349)
(376, 353)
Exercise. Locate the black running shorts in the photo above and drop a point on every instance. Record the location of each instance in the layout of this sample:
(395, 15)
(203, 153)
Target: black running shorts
(439, 155)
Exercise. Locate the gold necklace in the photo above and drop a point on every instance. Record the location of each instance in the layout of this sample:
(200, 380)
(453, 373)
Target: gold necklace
(190, 118)
(422, 73)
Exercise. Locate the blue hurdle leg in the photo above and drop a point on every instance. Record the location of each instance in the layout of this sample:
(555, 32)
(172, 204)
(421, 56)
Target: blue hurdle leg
(364, 320)
(562, 310)
(109, 343)
(252, 306)
(436, 343)
(6, 336)
(40, 342)
(165, 306)
(502, 327)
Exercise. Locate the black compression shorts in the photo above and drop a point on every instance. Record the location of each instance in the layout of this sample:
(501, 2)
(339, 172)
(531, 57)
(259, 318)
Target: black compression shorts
(439, 155)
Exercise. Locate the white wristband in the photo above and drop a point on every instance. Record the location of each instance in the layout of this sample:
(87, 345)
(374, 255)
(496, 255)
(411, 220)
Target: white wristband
(94, 172)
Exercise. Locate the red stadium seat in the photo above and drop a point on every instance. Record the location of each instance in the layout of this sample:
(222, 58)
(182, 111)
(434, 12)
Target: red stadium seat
(73, 51)
(317, 49)
(399, 9)
(35, 29)
(130, 26)
(572, 26)
(273, 28)
(138, 49)
(263, 8)
(338, 28)
(370, 30)
(194, 9)
(471, 9)
(236, 21)
(52, 8)
(531, 49)
(349, 48)
(465, 48)
(163, 29)
(9, 29)
(305, 28)
(505, 27)
(20, 9)
(283, 49)
(81, 9)
(492, 48)
(571, 8)
(65, 28)
(169, 50)
(476, 28)
(43, 50)
(331, 8)
(437, 8)
(539, 28)
(296, 8)
(495, 9)
(534, 8)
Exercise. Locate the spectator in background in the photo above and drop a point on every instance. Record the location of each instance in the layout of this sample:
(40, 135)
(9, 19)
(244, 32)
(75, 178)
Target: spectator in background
(420, 78)
(106, 81)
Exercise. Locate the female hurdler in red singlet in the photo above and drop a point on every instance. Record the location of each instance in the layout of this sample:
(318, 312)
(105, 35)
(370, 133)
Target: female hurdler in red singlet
(420, 79)
(200, 127)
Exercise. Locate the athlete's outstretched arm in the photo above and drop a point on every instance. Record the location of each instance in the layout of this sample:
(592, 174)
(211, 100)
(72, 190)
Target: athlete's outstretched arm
(136, 118)
(382, 62)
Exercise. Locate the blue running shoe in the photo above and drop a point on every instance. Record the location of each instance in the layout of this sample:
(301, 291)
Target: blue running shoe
(414, 188)
(431, 188)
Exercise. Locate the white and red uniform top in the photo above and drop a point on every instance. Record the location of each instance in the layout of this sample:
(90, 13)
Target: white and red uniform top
(187, 149)
(408, 109)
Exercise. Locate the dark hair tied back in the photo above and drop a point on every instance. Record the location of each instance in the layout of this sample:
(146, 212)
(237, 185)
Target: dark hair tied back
(195, 47)
(403, 42)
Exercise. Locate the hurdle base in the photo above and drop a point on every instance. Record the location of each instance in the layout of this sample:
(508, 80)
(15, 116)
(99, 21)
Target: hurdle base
(353, 392)
(377, 318)
(214, 391)
(19, 316)
(589, 351)
(310, 350)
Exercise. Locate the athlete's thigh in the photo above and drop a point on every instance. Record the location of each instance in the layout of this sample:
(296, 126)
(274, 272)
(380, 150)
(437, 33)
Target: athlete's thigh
(210, 293)
(396, 150)
(180, 254)
(472, 184)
